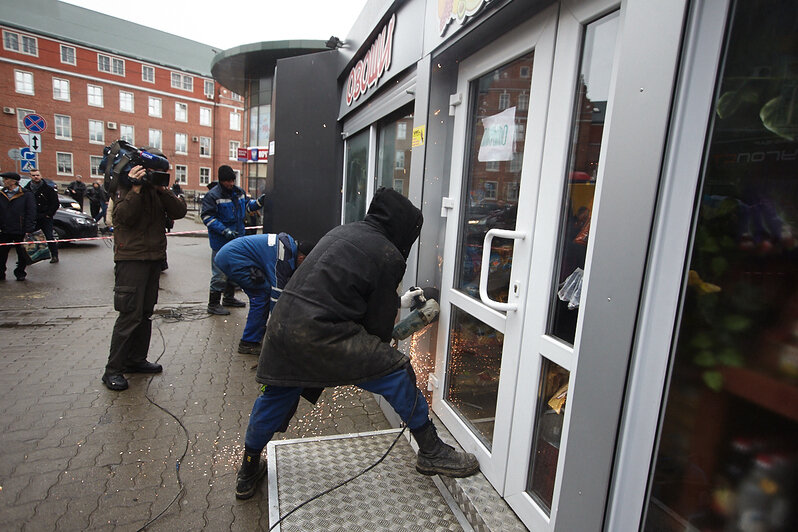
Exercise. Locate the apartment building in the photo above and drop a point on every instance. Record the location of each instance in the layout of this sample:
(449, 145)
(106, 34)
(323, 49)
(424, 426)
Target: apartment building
(81, 72)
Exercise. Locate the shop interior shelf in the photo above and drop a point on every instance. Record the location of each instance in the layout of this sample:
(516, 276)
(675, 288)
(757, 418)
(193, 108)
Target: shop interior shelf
(774, 394)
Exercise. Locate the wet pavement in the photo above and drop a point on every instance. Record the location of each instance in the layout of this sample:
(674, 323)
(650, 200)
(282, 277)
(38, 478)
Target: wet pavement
(76, 456)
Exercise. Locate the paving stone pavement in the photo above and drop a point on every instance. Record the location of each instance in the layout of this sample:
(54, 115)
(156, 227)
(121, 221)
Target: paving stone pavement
(76, 456)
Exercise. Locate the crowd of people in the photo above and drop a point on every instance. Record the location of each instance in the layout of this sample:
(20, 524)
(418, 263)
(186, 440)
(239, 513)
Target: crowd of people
(320, 314)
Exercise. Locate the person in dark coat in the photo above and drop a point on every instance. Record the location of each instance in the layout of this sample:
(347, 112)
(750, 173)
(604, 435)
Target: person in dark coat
(77, 189)
(17, 218)
(139, 214)
(46, 204)
(332, 326)
(97, 198)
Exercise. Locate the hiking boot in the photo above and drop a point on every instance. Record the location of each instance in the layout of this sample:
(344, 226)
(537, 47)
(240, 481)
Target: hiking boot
(214, 306)
(438, 458)
(229, 299)
(249, 475)
(115, 381)
(249, 348)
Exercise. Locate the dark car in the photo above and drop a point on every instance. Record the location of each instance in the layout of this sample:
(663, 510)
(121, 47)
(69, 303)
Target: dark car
(68, 203)
(69, 223)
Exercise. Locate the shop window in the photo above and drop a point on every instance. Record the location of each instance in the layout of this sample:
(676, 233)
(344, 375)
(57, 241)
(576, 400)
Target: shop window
(393, 150)
(357, 158)
(728, 450)
(580, 179)
(260, 125)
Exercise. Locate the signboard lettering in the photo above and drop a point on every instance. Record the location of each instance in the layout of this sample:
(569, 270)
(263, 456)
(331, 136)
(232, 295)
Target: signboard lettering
(498, 138)
(367, 72)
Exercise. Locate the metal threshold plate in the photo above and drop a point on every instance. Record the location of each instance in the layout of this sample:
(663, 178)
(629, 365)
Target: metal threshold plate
(392, 496)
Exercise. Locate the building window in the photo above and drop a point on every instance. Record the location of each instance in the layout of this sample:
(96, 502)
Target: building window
(182, 81)
(23, 82)
(21, 119)
(235, 121)
(23, 44)
(512, 191)
(68, 55)
(96, 132)
(205, 146)
(63, 127)
(95, 93)
(523, 101)
(94, 165)
(118, 66)
(103, 63)
(205, 176)
(181, 174)
(235, 96)
(127, 133)
(234, 145)
(399, 163)
(63, 163)
(61, 89)
(126, 101)
(148, 74)
(112, 65)
(181, 143)
(181, 112)
(491, 189)
(209, 86)
(504, 100)
(155, 139)
(524, 72)
(401, 130)
(155, 106)
(205, 116)
(492, 166)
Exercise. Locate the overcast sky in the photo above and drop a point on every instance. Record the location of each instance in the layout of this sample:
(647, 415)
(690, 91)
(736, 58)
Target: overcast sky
(231, 23)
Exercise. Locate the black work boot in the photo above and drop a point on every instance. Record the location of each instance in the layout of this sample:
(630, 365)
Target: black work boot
(249, 475)
(214, 307)
(229, 299)
(249, 348)
(437, 458)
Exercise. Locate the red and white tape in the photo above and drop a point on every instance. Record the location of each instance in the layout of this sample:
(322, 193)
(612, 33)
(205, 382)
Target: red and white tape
(108, 237)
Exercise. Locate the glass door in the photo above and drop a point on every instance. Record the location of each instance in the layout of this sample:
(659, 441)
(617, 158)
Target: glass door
(499, 127)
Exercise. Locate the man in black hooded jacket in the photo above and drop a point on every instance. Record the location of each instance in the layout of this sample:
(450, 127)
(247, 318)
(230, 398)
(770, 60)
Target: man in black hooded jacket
(332, 326)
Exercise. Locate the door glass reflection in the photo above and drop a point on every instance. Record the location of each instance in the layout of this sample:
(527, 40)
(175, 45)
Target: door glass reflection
(498, 117)
(475, 357)
(357, 162)
(394, 139)
(550, 412)
(580, 179)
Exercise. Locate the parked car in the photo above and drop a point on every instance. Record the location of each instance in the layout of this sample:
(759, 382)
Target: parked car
(68, 203)
(69, 223)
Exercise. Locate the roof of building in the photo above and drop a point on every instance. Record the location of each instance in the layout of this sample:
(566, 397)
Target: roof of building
(82, 26)
(233, 67)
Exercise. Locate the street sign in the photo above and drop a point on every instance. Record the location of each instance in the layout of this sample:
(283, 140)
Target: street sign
(242, 154)
(34, 123)
(27, 154)
(14, 154)
(33, 140)
(28, 166)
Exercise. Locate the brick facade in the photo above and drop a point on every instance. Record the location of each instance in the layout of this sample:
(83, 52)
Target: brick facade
(48, 69)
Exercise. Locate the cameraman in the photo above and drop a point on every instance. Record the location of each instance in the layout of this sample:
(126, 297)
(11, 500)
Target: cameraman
(140, 210)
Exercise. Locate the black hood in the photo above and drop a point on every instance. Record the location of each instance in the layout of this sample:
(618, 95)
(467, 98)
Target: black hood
(397, 216)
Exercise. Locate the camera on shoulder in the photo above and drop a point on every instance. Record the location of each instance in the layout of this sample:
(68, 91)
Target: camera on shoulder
(121, 156)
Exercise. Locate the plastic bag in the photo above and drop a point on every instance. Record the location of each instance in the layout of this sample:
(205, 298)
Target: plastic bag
(571, 289)
(36, 246)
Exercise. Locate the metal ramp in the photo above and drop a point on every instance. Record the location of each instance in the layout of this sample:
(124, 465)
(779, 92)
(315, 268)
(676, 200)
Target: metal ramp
(392, 496)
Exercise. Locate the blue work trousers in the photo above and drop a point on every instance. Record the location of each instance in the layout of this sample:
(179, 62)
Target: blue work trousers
(218, 278)
(258, 314)
(276, 402)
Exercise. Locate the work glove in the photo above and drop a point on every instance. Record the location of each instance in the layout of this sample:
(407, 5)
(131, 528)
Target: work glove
(229, 234)
(261, 200)
(256, 275)
(406, 301)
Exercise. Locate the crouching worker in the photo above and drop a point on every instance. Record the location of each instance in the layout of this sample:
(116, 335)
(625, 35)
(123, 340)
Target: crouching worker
(332, 326)
(261, 265)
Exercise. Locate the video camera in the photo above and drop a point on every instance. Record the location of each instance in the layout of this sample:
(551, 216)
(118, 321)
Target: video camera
(121, 156)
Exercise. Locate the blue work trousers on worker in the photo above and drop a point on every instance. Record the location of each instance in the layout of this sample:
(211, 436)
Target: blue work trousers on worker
(258, 314)
(276, 402)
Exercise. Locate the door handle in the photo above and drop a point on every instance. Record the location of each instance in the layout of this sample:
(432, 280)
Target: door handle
(485, 267)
